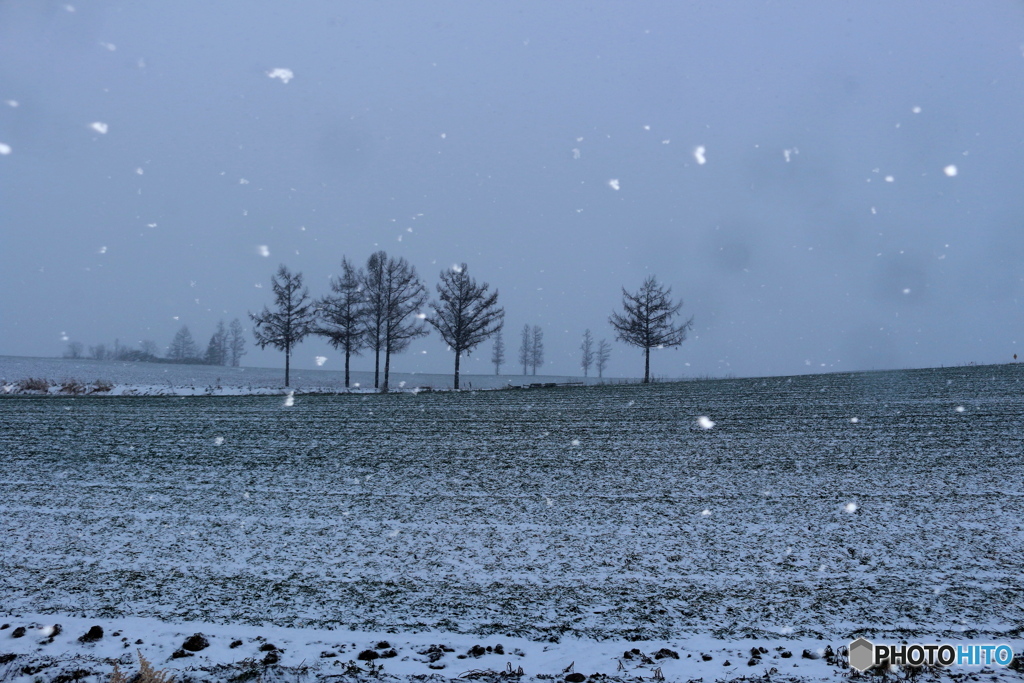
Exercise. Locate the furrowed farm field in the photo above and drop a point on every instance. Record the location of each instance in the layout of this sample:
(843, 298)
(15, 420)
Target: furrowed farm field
(889, 505)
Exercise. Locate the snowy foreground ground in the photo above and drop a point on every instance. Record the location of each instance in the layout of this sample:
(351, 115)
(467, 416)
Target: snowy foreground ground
(590, 530)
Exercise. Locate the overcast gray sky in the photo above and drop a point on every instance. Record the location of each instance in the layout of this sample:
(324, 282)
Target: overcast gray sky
(858, 202)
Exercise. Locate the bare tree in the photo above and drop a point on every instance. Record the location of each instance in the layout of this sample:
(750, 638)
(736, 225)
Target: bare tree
(342, 315)
(183, 346)
(587, 347)
(148, 349)
(394, 294)
(217, 348)
(604, 352)
(525, 349)
(74, 350)
(536, 348)
(291, 320)
(498, 353)
(466, 314)
(236, 343)
(646, 321)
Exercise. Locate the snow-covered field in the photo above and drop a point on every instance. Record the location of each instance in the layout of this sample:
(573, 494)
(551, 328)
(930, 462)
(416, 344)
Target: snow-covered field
(568, 525)
(165, 379)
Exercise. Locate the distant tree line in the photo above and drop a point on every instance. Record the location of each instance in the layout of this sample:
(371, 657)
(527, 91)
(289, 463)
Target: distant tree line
(383, 306)
(226, 347)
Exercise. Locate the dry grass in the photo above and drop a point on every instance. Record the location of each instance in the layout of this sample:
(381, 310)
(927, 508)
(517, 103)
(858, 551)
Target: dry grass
(146, 674)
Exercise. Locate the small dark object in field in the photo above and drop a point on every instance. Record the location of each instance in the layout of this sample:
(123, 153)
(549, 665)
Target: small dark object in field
(754, 652)
(785, 654)
(705, 656)
(272, 658)
(727, 663)
(92, 635)
(664, 653)
(627, 655)
(367, 656)
(434, 652)
(575, 678)
(763, 650)
(810, 654)
(753, 661)
(435, 666)
(57, 630)
(499, 649)
(178, 654)
(268, 647)
(477, 651)
(235, 643)
(388, 654)
(115, 634)
(383, 645)
(326, 653)
(139, 641)
(196, 642)
(8, 658)
(5, 627)
(18, 632)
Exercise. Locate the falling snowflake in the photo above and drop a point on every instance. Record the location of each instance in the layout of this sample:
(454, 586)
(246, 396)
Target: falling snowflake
(99, 127)
(289, 400)
(219, 441)
(284, 75)
(263, 250)
(705, 513)
(950, 170)
(4, 149)
(705, 422)
(614, 183)
(320, 360)
(850, 508)
(575, 442)
(960, 409)
(854, 420)
(698, 154)
(102, 250)
(916, 110)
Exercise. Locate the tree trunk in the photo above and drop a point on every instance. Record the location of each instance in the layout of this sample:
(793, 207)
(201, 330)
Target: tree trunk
(458, 356)
(647, 365)
(348, 354)
(387, 369)
(376, 369)
(287, 364)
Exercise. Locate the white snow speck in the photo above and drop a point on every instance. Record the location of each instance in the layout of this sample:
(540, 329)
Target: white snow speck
(705, 513)
(647, 127)
(289, 400)
(950, 170)
(850, 508)
(456, 268)
(575, 442)
(11, 103)
(889, 179)
(64, 336)
(614, 183)
(243, 181)
(960, 409)
(99, 127)
(790, 153)
(906, 290)
(263, 250)
(219, 441)
(854, 420)
(444, 136)
(705, 422)
(575, 152)
(916, 110)
(284, 75)
(139, 170)
(109, 46)
(698, 154)
(5, 149)
(102, 250)
(320, 360)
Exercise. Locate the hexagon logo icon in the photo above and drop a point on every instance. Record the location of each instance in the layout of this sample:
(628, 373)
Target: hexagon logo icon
(862, 654)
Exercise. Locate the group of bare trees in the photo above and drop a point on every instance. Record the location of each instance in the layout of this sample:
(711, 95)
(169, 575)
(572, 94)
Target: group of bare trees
(226, 347)
(381, 307)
